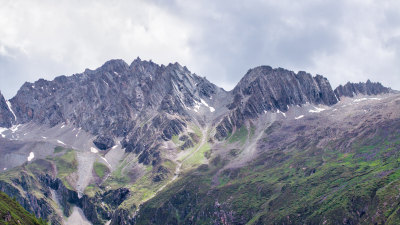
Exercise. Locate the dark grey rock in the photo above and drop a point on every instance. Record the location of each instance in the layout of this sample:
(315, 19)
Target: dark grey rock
(188, 144)
(104, 142)
(367, 88)
(6, 116)
(265, 89)
(116, 100)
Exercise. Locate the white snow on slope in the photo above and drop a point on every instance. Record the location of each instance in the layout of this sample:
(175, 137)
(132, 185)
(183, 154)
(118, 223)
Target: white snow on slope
(317, 110)
(15, 128)
(284, 114)
(2, 129)
(106, 161)
(12, 111)
(94, 150)
(364, 99)
(60, 142)
(31, 156)
(205, 103)
(299, 117)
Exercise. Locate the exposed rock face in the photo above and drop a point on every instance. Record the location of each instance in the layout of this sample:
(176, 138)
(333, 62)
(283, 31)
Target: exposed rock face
(265, 89)
(118, 100)
(6, 116)
(367, 88)
(103, 142)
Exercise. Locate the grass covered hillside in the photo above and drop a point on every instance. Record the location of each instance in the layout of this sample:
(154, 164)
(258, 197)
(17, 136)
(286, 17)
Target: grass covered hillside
(11, 212)
(324, 169)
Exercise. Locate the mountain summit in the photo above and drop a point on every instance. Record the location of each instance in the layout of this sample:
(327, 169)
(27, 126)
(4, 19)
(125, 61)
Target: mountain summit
(129, 144)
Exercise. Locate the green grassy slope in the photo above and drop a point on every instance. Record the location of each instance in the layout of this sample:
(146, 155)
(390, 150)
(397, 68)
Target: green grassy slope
(310, 185)
(18, 214)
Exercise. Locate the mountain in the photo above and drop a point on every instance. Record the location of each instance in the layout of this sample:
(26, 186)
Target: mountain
(154, 144)
(265, 89)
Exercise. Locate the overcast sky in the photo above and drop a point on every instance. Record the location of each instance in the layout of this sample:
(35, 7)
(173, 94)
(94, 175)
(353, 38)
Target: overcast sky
(221, 40)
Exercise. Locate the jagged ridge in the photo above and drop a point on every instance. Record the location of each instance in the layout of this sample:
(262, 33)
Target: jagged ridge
(367, 88)
(266, 89)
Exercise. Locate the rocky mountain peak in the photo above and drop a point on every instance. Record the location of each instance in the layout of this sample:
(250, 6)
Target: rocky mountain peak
(117, 65)
(363, 88)
(266, 89)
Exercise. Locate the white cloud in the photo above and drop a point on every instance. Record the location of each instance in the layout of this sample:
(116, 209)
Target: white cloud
(343, 40)
(51, 38)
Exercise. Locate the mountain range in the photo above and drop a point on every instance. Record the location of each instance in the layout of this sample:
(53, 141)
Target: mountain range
(154, 144)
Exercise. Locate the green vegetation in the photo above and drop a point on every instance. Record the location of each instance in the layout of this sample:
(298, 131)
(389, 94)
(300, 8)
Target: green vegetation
(175, 140)
(66, 165)
(58, 149)
(197, 130)
(240, 135)
(199, 156)
(17, 214)
(309, 186)
(118, 177)
(100, 169)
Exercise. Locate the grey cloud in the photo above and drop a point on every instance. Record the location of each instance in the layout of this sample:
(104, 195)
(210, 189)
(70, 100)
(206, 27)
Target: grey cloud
(343, 40)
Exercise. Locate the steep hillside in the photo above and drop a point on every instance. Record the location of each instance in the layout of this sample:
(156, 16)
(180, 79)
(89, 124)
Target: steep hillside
(146, 143)
(338, 166)
(11, 212)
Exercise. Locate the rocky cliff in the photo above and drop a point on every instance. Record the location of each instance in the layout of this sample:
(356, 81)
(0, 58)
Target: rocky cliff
(137, 102)
(266, 89)
(6, 116)
(367, 88)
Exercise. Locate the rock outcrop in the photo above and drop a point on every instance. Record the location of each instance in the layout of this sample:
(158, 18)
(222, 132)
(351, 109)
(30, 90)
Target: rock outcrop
(6, 116)
(118, 100)
(367, 88)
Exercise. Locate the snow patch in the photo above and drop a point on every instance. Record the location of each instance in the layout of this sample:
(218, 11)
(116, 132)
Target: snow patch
(94, 150)
(2, 129)
(44, 137)
(15, 128)
(299, 117)
(196, 106)
(60, 142)
(317, 110)
(62, 126)
(284, 114)
(209, 107)
(12, 111)
(31, 156)
(105, 160)
(365, 99)
(114, 147)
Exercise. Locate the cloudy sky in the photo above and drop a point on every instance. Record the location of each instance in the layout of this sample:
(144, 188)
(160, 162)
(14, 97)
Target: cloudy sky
(349, 40)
